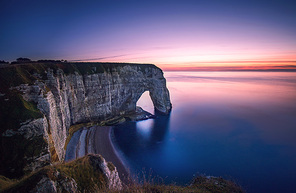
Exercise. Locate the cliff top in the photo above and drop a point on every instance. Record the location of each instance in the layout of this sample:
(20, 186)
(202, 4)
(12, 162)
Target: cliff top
(26, 72)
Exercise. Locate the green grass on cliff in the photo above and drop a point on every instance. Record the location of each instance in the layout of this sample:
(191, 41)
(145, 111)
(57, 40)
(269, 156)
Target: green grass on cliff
(15, 110)
(89, 178)
(29, 182)
(210, 186)
(27, 73)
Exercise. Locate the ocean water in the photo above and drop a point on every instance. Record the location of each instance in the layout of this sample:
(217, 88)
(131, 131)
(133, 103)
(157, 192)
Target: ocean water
(238, 125)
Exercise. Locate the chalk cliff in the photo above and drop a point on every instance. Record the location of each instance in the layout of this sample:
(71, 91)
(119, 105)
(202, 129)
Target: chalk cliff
(57, 96)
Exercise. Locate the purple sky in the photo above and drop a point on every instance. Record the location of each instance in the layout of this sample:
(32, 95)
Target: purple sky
(171, 34)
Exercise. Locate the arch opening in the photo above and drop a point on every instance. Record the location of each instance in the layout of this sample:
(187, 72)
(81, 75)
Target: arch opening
(145, 102)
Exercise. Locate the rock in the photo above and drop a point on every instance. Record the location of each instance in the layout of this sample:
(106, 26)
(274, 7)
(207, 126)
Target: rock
(33, 128)
(37, 162)
(9, 133)
(60, 184)
(109, 171)
(90, 173)
(140, 114)
(75, 98)
(46, 180)
(68, 94)
(45, 185)
(27, 149)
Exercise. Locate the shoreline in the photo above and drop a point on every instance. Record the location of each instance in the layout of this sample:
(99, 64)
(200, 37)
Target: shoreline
(97, 140)
(120, 156)
(103, 145)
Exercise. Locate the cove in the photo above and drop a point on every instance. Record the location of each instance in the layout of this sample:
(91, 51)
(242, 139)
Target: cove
(238, 125)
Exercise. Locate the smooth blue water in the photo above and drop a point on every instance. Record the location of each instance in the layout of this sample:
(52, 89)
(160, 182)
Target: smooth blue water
(238, 125)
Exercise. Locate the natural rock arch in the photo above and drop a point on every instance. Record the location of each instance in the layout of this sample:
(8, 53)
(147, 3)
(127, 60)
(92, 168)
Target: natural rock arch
(70, 93)
(145, 102)
(159, 96)
(151, 80)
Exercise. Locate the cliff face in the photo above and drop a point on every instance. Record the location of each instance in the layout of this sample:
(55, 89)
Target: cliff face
(67, 97)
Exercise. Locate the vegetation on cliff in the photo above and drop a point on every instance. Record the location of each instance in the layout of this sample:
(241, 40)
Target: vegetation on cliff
(59, 92)
(14, 109)
(200, 184)
(83, 175)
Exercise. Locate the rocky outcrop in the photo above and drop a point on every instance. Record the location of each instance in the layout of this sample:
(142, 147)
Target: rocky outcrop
(108, 170)
(58, 184)
(25, 149)
(70, 99)
(90, 173)
(67, 94)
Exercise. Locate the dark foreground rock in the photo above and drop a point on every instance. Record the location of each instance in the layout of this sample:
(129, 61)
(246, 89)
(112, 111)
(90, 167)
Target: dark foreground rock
(90, 173)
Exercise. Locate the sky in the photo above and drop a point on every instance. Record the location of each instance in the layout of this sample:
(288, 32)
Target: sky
(174, 35)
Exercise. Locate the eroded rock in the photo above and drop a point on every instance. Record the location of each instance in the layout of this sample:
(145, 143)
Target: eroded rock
(74, 98)
(66, 96)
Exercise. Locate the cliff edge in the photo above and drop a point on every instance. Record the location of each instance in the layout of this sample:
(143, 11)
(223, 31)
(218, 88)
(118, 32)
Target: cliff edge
(39, 102)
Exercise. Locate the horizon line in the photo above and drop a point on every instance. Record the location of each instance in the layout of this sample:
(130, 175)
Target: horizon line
(291, 68)
(276, 65)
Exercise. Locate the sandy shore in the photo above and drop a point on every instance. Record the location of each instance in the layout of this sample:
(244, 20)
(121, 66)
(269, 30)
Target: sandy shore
(102, 144)
(96, 140)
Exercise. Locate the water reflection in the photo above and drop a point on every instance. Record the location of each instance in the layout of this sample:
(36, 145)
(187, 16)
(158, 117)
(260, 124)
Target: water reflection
(265, 99)
(238, 124)
(144, 128)
(145, 134)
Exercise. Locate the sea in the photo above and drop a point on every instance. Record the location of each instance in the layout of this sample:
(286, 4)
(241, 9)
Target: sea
(238, 125)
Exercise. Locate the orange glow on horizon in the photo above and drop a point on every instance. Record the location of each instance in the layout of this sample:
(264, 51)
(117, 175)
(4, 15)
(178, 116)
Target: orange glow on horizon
(232, 65)
(172, 59)
(230, 68)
